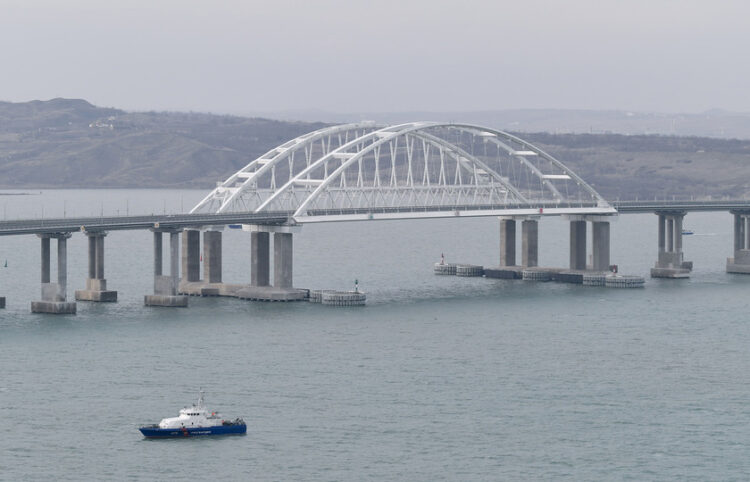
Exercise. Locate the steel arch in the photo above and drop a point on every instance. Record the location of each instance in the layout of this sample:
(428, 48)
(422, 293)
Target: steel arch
(493, 190)
(228, 191)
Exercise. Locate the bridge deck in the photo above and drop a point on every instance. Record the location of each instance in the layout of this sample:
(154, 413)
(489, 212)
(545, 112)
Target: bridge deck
(178, 221)
(115, 223)
(625, 207)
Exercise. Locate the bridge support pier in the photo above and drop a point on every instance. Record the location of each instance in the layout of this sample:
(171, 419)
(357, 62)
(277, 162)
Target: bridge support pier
(509, 268)
(260, 287)
(260, 255)
(578, 244)
(283, 254)
(530, 242)
(600, 245)
(212, 256)
(740, 263)
(600, 242)
(507, 241)
(191, 283)
(165, 287)
(670, 263)
(96, 284)
(191, 252)
(54, 295)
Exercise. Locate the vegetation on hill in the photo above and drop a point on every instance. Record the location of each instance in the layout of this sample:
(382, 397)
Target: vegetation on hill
(67, 143)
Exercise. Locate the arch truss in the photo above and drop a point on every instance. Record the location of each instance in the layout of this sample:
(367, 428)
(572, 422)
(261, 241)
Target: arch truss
(417, 169)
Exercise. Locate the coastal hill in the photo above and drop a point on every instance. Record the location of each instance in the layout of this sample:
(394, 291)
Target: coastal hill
(69, 143)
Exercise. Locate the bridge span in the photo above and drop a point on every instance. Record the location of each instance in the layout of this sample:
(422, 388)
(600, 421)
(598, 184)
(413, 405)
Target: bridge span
(365, 172)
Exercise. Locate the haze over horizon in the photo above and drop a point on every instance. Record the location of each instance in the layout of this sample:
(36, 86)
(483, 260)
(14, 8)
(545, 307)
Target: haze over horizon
(350, 56)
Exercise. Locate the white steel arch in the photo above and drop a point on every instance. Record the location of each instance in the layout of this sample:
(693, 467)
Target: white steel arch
(246, 179)
(417, 169)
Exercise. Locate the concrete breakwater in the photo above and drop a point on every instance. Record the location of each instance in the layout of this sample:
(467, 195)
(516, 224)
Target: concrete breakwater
(338, 298)
(540, 273)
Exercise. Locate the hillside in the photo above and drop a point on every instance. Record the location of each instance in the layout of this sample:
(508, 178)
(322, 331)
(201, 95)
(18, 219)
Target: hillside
(65, 143)
(73, 144)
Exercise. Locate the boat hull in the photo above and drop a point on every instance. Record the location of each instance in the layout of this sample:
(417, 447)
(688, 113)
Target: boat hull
(155, 432)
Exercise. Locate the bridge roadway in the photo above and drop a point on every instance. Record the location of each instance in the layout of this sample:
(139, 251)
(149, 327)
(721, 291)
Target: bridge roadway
(115, 223)
(179, 221)
(630, 207)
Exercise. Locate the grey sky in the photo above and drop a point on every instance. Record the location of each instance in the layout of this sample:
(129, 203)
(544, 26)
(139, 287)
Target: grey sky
(385, 55)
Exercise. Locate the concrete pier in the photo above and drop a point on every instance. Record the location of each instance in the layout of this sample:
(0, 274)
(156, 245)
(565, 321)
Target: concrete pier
(578, 244)
(191, 252)
(260, 287)
(508, 268)
(600, 242)
(670, 262)
(530, 242)
(740, 263)
(507, 242)
(165, 287)
(96, 284)
(54, 295)
(212, 256)
(260, 255)
(283, 253)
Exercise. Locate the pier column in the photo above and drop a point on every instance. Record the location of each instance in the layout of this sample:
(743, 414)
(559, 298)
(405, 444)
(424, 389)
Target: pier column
(158, 262)
(96, 284)
(740, 263)
(670, 234)
(45, 259)
(165, 287)
(92, 257)
(578, 245)
(670, 263)
(191, 252)
(283, 254)
(174, 264)
(662, 232)
(260, 254)
(600, 245)
(530, 243)
(212, 256)
(62, 266)
(507, 242)
(54, 295)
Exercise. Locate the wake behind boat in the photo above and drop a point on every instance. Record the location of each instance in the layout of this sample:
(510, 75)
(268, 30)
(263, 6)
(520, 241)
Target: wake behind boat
(194, 421)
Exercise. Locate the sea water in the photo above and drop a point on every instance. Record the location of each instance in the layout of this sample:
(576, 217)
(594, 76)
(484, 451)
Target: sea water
(437, 378)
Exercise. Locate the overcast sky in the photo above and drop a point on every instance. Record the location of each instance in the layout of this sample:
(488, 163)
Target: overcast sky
(381, 55)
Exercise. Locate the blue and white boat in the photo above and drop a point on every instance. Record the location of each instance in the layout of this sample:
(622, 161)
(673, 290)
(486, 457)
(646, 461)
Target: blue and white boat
(195, 421)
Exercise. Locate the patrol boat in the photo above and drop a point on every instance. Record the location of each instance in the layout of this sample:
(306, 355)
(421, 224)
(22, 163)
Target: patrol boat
(194, 421)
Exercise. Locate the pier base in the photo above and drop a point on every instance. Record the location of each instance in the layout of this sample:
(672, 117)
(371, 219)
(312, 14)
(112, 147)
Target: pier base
(672, 273)
(96, 290)
(2, 301)
(504, 272)
(54, 307)
(738, 268)
(178, 301)
(244, 291)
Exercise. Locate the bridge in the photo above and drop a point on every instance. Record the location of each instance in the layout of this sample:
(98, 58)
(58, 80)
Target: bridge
(364, 172)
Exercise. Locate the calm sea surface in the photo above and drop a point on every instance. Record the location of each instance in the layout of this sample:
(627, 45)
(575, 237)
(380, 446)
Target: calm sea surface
(437, 378)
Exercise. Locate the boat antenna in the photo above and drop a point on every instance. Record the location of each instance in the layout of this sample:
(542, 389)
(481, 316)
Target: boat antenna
(200, 397)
